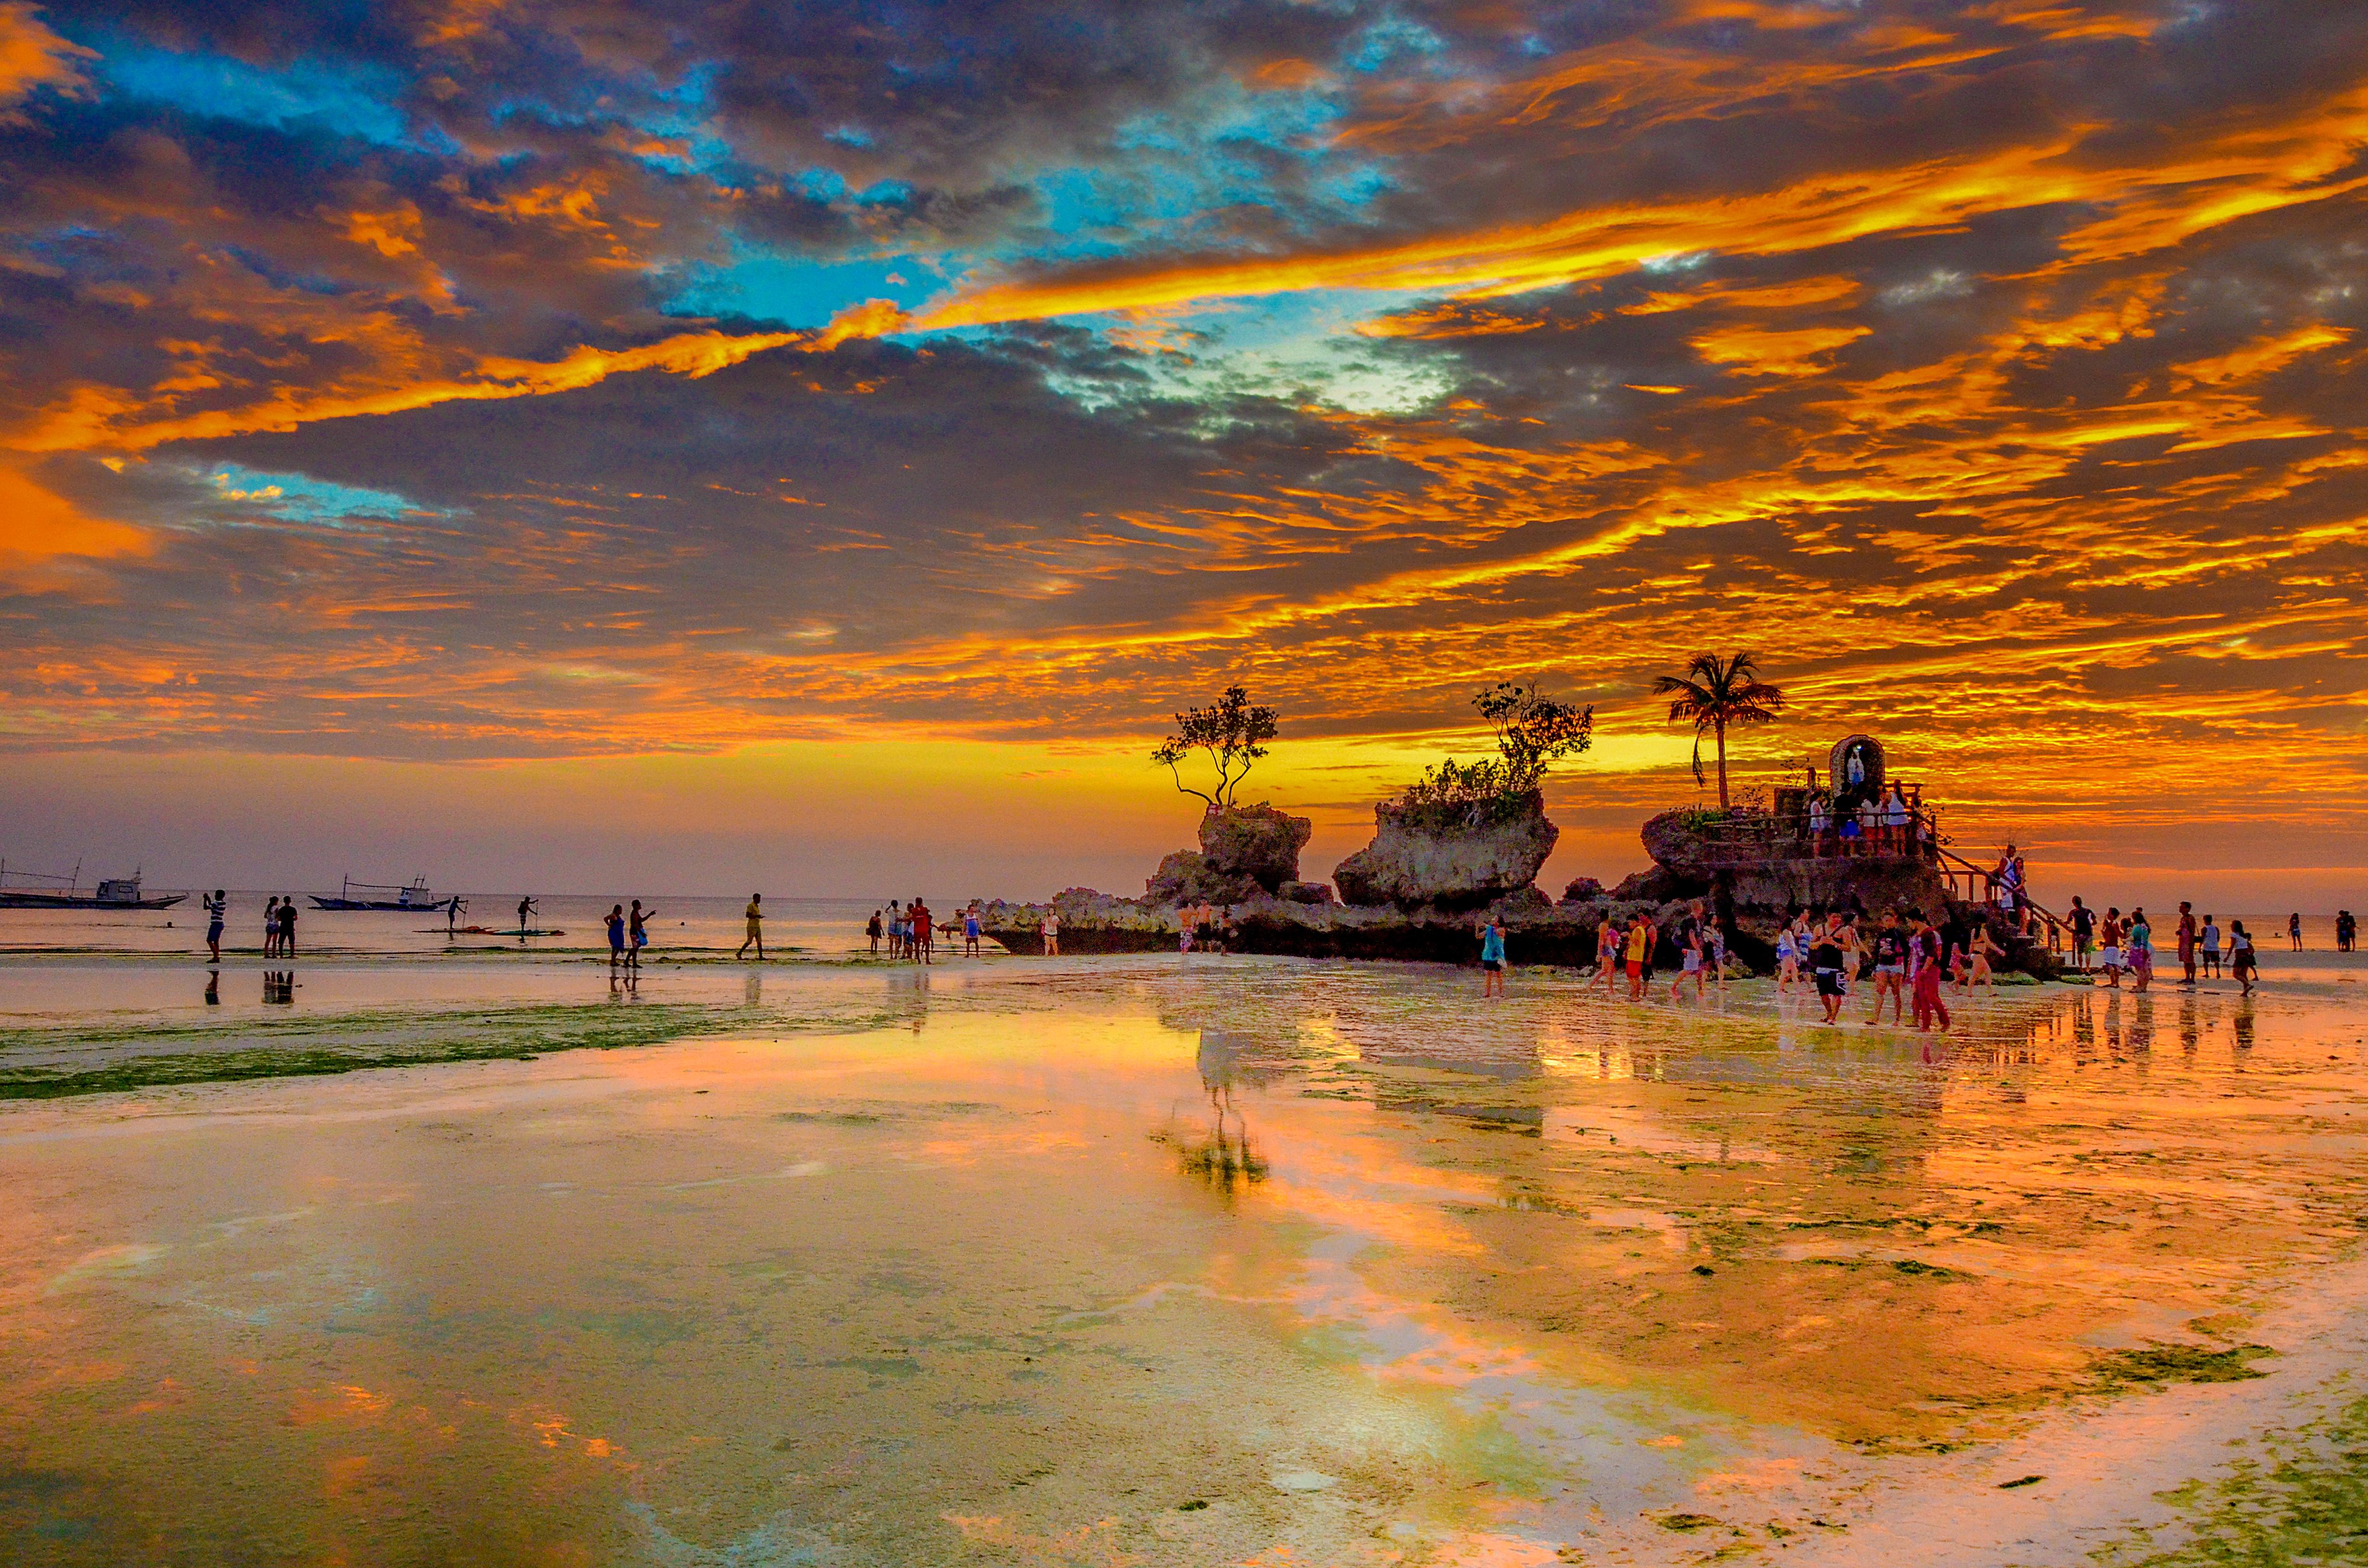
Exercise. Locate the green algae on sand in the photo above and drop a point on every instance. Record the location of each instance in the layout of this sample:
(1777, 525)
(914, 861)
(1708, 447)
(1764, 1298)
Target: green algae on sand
(2310, 1505)
(169, 1055)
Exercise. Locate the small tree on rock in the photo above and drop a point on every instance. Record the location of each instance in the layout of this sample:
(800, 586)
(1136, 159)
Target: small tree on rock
(1533, 731)
(1231, 732)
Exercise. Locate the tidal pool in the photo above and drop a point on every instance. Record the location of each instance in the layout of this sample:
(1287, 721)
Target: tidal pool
(1150, 1261)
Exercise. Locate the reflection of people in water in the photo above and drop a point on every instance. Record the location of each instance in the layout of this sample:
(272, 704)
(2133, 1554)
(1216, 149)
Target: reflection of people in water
(279, 986)
(213, 988)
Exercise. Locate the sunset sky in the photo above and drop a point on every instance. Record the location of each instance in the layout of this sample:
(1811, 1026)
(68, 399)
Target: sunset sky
(669, 444)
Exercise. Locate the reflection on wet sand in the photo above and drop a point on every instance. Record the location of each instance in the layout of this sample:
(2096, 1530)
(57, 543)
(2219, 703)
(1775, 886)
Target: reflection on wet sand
(1132, 1262)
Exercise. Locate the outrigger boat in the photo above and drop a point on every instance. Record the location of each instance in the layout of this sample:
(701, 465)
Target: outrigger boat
(411, 898)
(65, 892)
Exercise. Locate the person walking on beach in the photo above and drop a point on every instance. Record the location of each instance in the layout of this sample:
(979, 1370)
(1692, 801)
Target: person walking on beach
(1639, 944)
(1492, 958)
(971, 932)
(1051, 930)
(637, 934)
(871, 931)
(2187, 934)
(2109, 946)
(2140, 944)
(287, 926)
(616, 922)
(215, 906)
(1826, 965)
(1925, 949)
(271, 927)
(2294, 929)
(1788, 959)
(1690, 962)
(1890, 948)
(1979, 950)
(2242, 963)
(2211, 947)
(1607, 951)
(925, 937)
(754, 915)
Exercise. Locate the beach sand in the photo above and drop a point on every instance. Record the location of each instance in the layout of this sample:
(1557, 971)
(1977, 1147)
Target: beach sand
(1169, 1261)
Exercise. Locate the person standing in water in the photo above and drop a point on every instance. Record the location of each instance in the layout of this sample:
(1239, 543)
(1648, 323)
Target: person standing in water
(526, 913)
(637, 935)
(271, 927)
(2187, 934)
(287, 926)
(214, 908)
(2294, 929)
(756, 917)
(1492, 958)
(971, 932)
(615, 921)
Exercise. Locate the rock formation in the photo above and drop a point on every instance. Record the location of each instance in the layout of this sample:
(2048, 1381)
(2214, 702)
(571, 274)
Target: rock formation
(1246, 852)
(1423, 857)
(1757, 863)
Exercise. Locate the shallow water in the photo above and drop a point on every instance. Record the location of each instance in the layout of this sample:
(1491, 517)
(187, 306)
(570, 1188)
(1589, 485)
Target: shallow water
(1161, 1261)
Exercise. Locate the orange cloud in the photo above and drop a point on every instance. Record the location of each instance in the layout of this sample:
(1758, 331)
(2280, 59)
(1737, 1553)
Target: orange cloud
(2198, 184)
(38, 531)
(1768, 351)
(32, 57)
(95, 417)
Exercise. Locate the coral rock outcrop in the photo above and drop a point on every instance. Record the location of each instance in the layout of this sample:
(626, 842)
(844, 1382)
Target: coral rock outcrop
(1422, 857)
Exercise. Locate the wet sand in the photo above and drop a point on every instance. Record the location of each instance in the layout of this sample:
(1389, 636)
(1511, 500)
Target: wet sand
(1161, 1261)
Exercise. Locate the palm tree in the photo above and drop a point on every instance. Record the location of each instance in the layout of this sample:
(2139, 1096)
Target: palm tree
(1714, 693)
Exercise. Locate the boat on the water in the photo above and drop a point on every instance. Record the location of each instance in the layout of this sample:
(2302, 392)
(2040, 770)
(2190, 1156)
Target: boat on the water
(410, 897)
(36, 890)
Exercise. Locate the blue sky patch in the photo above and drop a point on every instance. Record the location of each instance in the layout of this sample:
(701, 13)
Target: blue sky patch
(350, 101)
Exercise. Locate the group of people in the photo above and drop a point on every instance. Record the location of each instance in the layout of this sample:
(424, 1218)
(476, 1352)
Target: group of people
(912, 932)
(2115, 945)
(1700, 953)
(1876, 823)
(279, 926)
(1203, 927)
(628, 933)
(1906, 954)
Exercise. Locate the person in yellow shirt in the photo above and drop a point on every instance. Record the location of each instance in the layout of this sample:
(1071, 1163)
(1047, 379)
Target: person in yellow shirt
(1640, 942)
(756, 928)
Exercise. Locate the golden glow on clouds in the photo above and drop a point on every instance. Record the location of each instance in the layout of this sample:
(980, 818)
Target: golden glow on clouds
(2033, 443)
